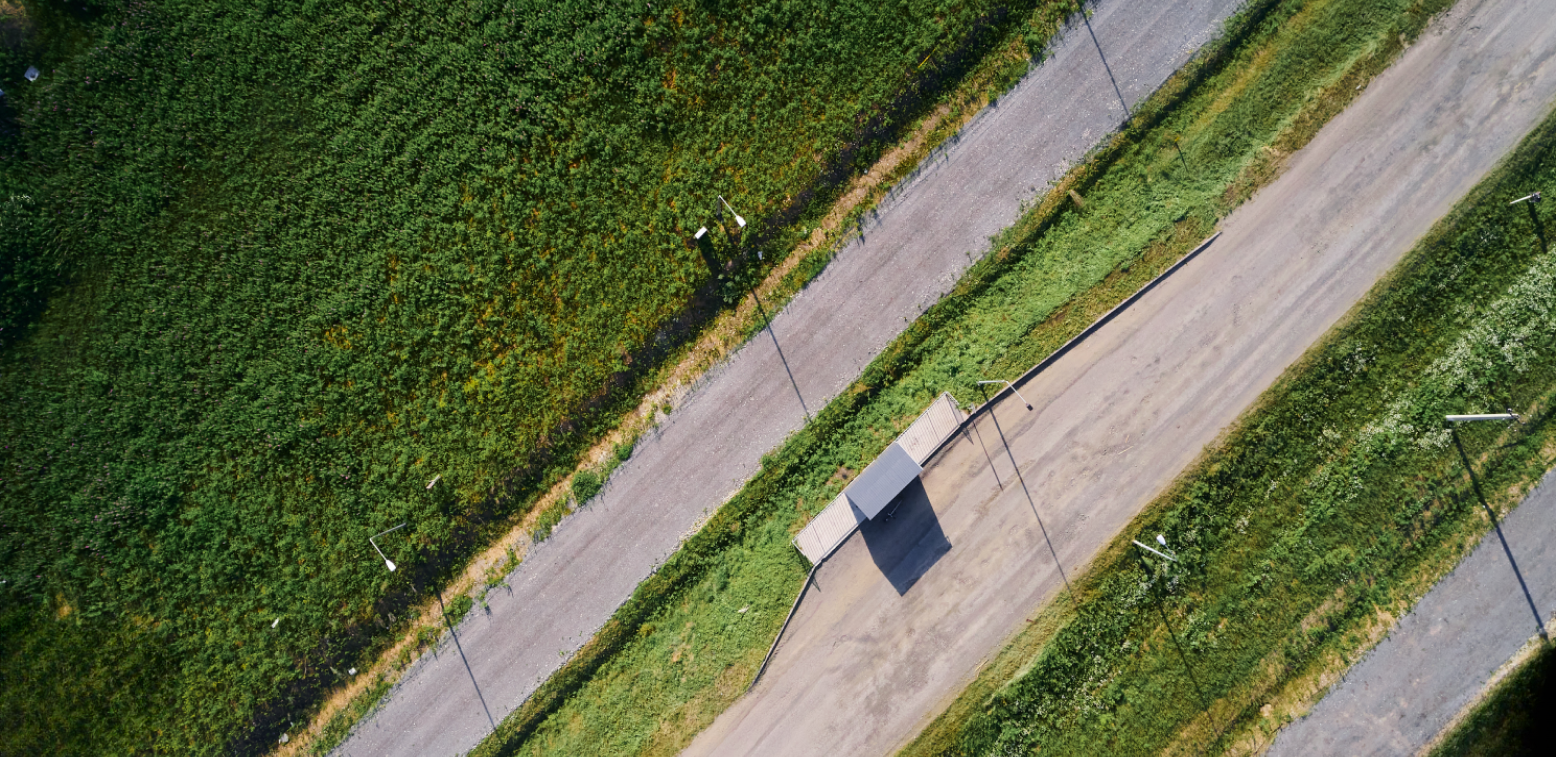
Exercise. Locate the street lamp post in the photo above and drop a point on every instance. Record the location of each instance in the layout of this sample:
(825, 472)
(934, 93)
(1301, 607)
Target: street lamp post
(761, 311)
(1012, 388)
(1453, 428)
(1529, 201)
(739, 221)
(444, 612)
(373, 541)
(1161, 608)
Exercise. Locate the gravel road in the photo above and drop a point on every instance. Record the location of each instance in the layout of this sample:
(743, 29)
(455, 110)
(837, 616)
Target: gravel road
(913, 251)
(903, 614)
(1441, 655)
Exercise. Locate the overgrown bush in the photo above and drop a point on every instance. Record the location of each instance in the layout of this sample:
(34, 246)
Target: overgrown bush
(586, 484)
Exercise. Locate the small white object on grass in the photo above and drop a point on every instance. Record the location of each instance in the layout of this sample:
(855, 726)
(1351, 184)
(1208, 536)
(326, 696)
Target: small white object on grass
(351, 672)
(277, 623)
(743, 609)
(1162, 540)
(32, 73)
(435, 480)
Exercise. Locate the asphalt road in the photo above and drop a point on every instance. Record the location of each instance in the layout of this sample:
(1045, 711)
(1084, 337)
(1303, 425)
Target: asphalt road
(911, 253)
(904, 613)
(1440, 656)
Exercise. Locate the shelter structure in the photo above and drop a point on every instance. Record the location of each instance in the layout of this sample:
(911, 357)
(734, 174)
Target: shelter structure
(881, 481)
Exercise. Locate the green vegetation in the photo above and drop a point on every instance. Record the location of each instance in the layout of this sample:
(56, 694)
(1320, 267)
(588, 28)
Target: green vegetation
(679, 651)
(1514, 718)
(270, 268)
(458, 608)
(586, 484)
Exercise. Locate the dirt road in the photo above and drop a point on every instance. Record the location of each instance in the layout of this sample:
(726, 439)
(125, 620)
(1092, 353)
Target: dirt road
(904, 613)
(914, 250)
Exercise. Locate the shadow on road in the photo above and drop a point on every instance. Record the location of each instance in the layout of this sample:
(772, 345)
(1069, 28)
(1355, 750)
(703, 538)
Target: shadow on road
(1105, 65)
(768, 325)
(993, 418)
(905, 541)
(466, 661)
(1539, 620)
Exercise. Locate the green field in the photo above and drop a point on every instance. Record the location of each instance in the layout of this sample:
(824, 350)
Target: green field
(681, 651)
(267, 269)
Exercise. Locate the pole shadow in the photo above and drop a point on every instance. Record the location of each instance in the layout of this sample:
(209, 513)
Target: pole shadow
(1539, 620)
(969, 432)
(466, 661)
(1109, 69)
(906, 541)
(767, 324)
(994, 416)
(1539, 228)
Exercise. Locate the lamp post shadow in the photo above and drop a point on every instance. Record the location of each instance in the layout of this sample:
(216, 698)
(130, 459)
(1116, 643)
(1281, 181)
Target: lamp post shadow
(1539, 621)
(767, 324)
(969, 433)
(1161, 609)
(705, 247)
(1539, 228)
(466, 661)
(1085, 18)
(994, 416)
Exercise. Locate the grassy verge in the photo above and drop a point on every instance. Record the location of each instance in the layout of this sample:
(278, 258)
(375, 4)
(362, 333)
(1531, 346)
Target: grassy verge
(1513, 719)
(1322, 516)
(684, 646)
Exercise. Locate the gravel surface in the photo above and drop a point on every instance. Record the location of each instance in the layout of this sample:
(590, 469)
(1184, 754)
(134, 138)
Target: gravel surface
(903, 615)
(926, 233)
(1440, 656)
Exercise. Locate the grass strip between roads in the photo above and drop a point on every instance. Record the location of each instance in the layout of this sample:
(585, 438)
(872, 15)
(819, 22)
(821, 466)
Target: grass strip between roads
(684, 646)
(1322, 516)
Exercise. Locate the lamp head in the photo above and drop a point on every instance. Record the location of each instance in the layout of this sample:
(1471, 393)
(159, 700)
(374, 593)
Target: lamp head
(1162, 540)
(741, 222)
(700, 232)
(389, 563)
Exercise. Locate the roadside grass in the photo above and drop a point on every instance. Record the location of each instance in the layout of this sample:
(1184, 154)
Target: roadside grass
(268, 270)
(1513, 720)
(674, 656)
(1329, 508)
